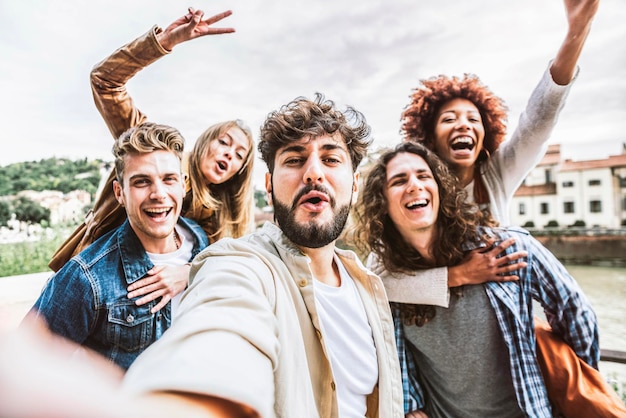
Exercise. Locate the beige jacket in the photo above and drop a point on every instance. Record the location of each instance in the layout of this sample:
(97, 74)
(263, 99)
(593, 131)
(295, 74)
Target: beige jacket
(248, 331)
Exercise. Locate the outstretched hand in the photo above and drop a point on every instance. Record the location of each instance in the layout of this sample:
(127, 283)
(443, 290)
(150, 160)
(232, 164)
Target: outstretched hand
(191, 26)
(580, 14)
(163, 282)
(481, 266)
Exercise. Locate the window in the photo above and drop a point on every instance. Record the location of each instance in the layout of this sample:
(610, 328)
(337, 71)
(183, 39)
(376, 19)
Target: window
(522, 208)
(568, 207)
(595, 206)
(594, 182)
(622, 182)
(624, 204)
(548, 176)
(544, 208)
(568, 184)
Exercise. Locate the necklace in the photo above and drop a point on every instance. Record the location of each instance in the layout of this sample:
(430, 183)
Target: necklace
(176, 239)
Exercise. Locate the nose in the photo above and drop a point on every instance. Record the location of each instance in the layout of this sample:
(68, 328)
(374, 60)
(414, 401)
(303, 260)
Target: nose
(158, 191)
(313, 172)
(414, 185)
(463, 123)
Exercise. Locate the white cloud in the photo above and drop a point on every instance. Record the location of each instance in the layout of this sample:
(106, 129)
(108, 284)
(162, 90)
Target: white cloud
(368, 54)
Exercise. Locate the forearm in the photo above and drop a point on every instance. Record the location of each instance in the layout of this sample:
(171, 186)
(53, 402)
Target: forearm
(580, 14)
(109, 78)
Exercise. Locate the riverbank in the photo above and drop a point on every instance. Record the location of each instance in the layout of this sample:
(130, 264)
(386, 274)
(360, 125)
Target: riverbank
(595, 250)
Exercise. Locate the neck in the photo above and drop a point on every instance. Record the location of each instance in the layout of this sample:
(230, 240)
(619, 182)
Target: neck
(168, 244)
(421, 242)
(465, 175)
(322, 264)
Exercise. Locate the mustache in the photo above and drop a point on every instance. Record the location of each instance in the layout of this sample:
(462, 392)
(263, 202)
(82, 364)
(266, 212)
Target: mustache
(309, 188)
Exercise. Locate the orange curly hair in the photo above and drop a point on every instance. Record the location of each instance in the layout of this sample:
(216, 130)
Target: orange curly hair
(419, 116)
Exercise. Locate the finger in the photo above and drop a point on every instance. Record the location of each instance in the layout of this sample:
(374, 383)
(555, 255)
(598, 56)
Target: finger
(145, 290)
(164, 300)
(146, 281)
(503, 245)
(150, 297)
(216, 18)
(509, 258)
(511, 267)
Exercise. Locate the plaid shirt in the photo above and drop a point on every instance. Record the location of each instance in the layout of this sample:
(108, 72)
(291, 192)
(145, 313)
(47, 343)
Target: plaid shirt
(566, 308)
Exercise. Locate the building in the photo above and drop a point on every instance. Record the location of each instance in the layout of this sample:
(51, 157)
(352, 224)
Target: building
(572, 193)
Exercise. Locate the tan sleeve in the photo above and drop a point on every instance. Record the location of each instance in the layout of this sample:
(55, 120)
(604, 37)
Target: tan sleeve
(109, 78)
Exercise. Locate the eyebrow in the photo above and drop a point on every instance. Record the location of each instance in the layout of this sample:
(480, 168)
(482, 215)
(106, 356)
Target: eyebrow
(302, 148)
(404, 174)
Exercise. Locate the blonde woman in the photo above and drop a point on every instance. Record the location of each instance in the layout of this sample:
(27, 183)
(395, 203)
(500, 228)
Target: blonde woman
(218, 171)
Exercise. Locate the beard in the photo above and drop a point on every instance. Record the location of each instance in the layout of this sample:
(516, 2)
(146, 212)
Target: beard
(311, 234)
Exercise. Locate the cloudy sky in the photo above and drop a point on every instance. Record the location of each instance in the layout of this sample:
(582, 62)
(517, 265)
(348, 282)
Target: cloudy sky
(368, 54)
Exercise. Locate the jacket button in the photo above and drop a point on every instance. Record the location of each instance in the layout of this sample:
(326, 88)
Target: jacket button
(130, 318)
(332, 385)
(302, 282)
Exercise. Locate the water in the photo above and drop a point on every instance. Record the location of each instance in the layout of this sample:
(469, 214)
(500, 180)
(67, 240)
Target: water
(606, 289)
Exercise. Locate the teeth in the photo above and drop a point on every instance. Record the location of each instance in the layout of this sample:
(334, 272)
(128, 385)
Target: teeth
(157, 210)
(417, 203)
(463, 140)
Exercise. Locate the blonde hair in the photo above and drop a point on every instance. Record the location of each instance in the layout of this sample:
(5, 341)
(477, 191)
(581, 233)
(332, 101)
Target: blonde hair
(231, 201)
(143, 138)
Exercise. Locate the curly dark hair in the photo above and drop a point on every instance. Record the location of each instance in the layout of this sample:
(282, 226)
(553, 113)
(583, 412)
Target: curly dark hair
(419, 116)
(374, 231)
(303, 117)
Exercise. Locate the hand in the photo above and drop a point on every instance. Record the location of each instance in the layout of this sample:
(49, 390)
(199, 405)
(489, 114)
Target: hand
(416, 414)
(191, 26)
(65, 381)
(481, 266)
(580, 14)
(163, 282)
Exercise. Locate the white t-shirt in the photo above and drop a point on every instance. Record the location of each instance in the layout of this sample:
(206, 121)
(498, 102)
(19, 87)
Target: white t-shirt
(348, 339)
(177, 258)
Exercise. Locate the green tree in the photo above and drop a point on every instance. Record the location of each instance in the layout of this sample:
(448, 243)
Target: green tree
(260, 198)
(30, 212)
(5, 212)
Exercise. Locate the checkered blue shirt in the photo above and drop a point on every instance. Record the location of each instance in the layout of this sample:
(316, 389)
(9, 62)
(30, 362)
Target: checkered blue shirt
(566, 308)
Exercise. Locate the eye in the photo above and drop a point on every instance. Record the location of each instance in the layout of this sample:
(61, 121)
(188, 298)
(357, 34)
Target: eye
(141, 183)
(294, 161)
(332, 160)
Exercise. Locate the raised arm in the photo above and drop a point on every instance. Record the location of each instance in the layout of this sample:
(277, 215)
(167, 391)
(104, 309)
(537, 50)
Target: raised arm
(580, 14)
(109, 77)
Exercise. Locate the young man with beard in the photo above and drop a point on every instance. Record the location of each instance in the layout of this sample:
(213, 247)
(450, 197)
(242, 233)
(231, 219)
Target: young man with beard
(278, 323)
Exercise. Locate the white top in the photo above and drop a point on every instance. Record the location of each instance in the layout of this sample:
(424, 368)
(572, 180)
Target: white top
(349, 342)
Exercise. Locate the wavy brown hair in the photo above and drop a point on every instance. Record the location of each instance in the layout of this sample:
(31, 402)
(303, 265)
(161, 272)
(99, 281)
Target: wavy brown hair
(230, 201)
(374, 231)
(304, 117)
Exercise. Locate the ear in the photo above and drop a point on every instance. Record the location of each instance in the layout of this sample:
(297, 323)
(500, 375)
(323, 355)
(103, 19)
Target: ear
(117, 191)
(355, 187)
(268, 187)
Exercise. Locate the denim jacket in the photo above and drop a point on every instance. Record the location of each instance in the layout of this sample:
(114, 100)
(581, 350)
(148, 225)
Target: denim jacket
(85, 301)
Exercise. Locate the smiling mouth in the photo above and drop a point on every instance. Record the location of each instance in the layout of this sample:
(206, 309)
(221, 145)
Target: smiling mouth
(416, 204)
(462, 143)
(158, 213)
